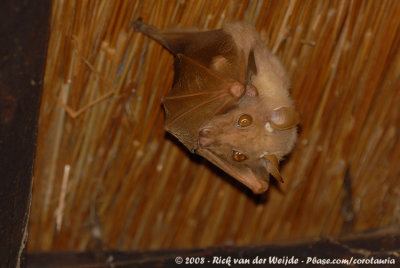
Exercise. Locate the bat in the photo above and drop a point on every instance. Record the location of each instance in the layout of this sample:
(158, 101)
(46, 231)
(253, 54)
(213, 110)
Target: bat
(230, 100)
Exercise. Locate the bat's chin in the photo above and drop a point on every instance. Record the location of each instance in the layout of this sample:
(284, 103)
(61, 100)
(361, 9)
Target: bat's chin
(245, 175)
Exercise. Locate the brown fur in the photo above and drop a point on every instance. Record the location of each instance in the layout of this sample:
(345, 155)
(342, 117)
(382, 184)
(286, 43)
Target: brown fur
(220, 76)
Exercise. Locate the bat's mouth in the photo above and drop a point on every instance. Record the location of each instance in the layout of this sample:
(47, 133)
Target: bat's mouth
(245, 175)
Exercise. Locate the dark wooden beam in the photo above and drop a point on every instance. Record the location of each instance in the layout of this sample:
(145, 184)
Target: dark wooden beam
(24, 26)
(361, 249)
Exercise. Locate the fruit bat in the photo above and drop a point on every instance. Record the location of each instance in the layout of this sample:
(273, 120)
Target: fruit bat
(230, 100)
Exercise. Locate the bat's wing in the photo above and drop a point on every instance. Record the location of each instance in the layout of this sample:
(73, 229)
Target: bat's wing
(210, 74)
(198, 94)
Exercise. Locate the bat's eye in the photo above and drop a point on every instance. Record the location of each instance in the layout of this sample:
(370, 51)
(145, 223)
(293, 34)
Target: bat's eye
(238, 156)
(244, 120)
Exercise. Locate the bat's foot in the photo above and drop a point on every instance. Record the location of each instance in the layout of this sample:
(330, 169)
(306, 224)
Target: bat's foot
(139, 26)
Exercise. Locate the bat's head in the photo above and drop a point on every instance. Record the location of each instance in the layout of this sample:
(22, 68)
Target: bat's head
(248, 141)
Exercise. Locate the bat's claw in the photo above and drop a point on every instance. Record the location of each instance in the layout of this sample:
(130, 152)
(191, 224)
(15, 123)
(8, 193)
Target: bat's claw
(137, 24)
(149, 30)
(237, 89)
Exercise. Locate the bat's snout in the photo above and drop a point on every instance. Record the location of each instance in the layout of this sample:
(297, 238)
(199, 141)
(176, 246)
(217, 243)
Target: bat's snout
(258, 182)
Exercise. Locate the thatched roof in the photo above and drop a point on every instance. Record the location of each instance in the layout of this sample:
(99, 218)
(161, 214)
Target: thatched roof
(109, 173)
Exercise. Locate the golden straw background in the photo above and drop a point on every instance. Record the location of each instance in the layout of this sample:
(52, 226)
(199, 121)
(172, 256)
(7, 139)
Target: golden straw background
(107, 174)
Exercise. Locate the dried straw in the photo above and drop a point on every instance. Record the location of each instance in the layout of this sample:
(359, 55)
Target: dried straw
(141, 190)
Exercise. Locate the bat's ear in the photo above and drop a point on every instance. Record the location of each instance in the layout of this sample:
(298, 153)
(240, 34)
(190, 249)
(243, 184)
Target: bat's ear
(284, 118)
(251, 70)
(273, 166)
(251, 66)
